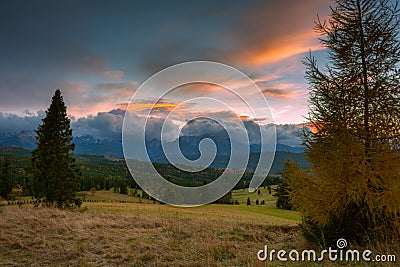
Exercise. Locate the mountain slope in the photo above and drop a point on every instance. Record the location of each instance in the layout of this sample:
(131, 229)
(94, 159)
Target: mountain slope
(90, 145)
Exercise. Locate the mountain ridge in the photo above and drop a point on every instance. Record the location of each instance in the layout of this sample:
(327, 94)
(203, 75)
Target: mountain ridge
(90, 145)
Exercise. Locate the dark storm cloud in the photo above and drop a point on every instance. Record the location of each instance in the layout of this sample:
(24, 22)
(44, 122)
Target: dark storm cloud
(202, 126)
(109, 125)
(289, 134)
(102, 125)
(11, 123)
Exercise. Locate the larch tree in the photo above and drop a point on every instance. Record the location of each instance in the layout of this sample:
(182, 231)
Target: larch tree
(282, 190)
(55, 174)
(352, 190)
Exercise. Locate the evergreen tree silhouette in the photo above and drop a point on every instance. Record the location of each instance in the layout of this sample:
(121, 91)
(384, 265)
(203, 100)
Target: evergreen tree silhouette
(55, 174)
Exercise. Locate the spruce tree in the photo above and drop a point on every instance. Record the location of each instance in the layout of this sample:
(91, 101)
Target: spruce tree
(55, 174)
(353, 187)
(5, 178)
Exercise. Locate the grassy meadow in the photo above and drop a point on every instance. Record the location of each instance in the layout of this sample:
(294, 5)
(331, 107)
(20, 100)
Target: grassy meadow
(141, 234)
(105, 232)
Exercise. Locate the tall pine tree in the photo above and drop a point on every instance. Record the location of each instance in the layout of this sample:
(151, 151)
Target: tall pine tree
(353, 188)
(5, 178)
(55, 174)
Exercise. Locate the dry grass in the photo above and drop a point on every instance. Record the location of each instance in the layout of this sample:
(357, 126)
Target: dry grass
(133, 234)
(144, 235)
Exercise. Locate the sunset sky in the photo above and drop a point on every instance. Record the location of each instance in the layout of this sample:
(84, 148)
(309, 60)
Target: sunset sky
(99, 52)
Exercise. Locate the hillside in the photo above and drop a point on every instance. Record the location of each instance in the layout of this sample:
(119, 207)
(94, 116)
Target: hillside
(104, 172)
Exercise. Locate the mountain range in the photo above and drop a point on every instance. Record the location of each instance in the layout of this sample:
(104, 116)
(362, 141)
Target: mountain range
(90, 145)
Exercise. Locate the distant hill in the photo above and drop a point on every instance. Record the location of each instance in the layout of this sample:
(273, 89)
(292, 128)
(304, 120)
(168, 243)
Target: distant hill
(89, 145)
(93, 146)
(103, 169)
(15, 151)
(189, 148)
(83, 144)
(23, 139)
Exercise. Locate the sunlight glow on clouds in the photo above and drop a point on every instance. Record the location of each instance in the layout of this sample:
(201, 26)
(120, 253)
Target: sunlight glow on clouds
(98, 64)
(275, 30)
(156, 108)
(279, 49)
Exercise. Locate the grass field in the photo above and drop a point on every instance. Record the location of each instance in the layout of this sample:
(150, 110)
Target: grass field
(241, 196)
(138, 234)
(146, 234)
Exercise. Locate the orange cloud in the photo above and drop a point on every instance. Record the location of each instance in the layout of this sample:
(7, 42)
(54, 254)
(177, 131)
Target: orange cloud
(158, 107)
(282, 48)
(198, 88)
(276, 30)
(281, 93)
(244, 117)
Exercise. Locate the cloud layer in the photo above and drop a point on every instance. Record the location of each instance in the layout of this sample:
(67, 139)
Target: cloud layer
(108, 125)
(99, 53)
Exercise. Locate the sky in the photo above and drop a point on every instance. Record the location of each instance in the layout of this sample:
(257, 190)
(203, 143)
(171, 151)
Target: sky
(99, 53)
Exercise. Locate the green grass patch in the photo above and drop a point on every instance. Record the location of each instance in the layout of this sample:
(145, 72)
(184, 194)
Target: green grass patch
(241, 196)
